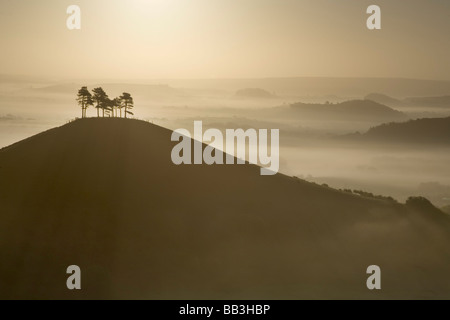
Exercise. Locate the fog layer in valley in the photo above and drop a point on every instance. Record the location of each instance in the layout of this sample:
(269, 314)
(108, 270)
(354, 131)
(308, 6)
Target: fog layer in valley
(323, 123)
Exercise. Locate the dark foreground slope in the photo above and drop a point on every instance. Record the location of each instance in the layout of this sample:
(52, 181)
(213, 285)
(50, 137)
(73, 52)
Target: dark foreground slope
(103, 194)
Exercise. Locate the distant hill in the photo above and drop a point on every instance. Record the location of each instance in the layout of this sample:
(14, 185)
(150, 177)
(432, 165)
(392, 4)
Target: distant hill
(383, 99)
(348, 110)
(421, 131)
(103, 194)
(438, 101)
(446, 209)
(254, 93)
(442, 101)
(320, 86)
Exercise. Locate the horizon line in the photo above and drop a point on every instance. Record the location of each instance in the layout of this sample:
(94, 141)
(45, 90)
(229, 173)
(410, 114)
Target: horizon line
(64, 79)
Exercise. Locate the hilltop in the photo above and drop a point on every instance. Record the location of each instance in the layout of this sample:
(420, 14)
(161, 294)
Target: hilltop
(435, 101)
(103, 194)
(349, 110)
(430, 131)
(319, 86)
(383, 99)
(254, 93)
(441, 101)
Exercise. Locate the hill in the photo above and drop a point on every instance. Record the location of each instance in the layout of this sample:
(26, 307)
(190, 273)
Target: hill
(441, 101)
(383, 99)
(438, 101)
(365, 110)
(103, 194)
(254, 93)
(320, 86)
(429, 131)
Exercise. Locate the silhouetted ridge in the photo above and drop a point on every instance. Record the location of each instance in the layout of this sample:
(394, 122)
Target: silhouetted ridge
(441, 101)
(103, 194)
(383, 99)
(348, 110)
(437, 101)
(428, 130)
(254, 93)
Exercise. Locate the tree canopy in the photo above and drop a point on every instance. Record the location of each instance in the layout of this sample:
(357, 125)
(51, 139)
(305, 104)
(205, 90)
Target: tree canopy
(127, 103)
(84, 99)
(109, 107)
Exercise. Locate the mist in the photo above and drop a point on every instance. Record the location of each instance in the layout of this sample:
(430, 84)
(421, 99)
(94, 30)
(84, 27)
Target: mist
(318, 144)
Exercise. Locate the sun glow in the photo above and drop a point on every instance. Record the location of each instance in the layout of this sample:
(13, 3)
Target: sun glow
(219, 39)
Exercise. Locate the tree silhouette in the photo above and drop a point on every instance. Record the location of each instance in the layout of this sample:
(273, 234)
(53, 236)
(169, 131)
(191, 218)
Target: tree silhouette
(84, 99)
(110, 107)
(127, 103)
(115, 104)
(121, 105)
(107, 107)
(101, 99)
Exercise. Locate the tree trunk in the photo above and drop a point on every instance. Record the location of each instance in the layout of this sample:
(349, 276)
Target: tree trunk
(98, 113)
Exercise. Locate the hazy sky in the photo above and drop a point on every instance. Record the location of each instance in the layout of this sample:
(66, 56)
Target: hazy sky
(225, 38)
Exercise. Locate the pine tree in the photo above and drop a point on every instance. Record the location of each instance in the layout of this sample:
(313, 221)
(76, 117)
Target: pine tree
(84, 99)
(127, 103)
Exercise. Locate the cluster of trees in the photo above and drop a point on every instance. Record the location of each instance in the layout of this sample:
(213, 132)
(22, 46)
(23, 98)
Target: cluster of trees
(101, 101)
(369, 194)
